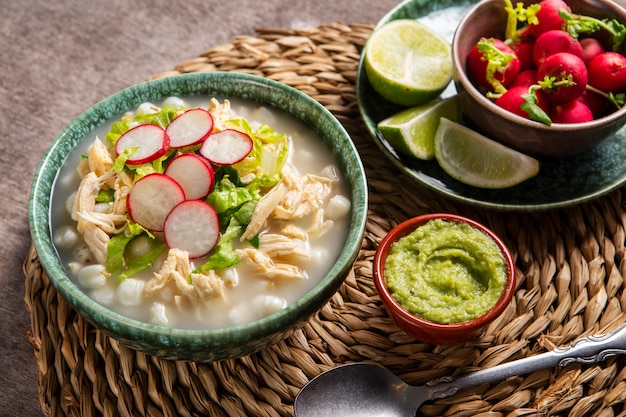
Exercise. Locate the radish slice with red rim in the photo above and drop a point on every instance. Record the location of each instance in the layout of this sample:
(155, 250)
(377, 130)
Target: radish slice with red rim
(226, 147)
(150, 140)
(190, 128)
(194, 174)
(152, 198)
(192, 226)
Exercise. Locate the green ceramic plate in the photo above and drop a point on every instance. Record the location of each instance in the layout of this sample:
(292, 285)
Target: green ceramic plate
(560, 183)
(199, 345)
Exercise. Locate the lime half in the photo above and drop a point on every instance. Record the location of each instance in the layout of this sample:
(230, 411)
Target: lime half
(407, 63)
(412, 131)
(476, 160)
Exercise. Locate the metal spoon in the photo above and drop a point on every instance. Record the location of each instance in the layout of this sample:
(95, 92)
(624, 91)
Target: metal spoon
(361, 389)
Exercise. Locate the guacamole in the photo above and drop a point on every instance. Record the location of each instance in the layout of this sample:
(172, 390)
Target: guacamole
(446, 272)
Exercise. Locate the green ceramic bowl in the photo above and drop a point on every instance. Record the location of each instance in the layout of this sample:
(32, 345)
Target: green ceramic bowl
(200, 345)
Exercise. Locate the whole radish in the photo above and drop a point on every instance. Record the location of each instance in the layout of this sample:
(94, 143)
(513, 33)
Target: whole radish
(563, 77)
(526, 78)
(548, 17)
(523, 49)
(514, 100)
(571, 112)
(552, 42)
(492, 64)
(591, 48)
(607, 72)
(597, 103)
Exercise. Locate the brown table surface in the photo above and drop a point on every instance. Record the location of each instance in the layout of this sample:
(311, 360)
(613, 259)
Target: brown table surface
(57, 58)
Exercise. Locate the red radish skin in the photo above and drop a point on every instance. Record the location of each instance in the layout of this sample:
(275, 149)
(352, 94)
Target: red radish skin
(525, 78)
(190, 128)
(552, 42)
(151, 142)
(572, 112)
(226, 147)
(548, 17)
(561, 65)
(152, 198)
(523, 48)
(192, 226)
(607, 72)
(597, 103)
(512, 100)
(477, 66)
(193, 173)
(591, 48)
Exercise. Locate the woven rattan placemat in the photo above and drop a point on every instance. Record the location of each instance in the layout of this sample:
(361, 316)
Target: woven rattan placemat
(571, 266)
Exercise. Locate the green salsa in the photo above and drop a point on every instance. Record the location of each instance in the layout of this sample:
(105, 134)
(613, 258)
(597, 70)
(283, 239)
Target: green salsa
(446, 272)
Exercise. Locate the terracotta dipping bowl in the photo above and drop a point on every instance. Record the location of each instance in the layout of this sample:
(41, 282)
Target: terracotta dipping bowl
(425, 330)
(487, 19)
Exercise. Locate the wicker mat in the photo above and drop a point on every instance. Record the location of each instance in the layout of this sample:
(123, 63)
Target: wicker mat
(571, 266)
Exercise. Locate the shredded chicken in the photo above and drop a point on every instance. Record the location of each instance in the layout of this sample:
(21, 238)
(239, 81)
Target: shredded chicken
(99, 159)
(264, 209)
(306, 193)
(270, 269)
(220, 112)
(279, 246)
(319, 225)
(83, 209)
(176, 273)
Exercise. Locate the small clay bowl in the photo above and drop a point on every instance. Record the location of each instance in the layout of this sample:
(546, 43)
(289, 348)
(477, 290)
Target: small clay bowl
(487, 19)
(429, 331)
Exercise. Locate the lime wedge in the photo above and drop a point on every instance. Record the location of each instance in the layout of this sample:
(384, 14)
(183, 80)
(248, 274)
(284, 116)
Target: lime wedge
(407, 63)
(412, 131)
(476, 160)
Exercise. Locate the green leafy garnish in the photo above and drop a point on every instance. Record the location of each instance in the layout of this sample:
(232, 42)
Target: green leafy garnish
(577, 25)
(105, 196)
(516, 14)
(530, 106)
(497, 62)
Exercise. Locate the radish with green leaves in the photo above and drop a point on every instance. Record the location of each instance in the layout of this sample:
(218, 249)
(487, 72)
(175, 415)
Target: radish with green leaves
(547, 17)
(190, 128)
(578, 64)
(226, 147)
(143, 144)
(516, 100)
(193, 173)
(152, 198)
(192, 226)
(563, 77)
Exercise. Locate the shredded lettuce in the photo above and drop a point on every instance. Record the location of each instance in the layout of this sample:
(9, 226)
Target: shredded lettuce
(269, 153)
(224, 255)
(117, 263)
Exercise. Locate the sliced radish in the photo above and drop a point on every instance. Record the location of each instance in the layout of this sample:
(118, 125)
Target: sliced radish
(190, 128)
(152, 198)
(226, 147)
(194, 174)
(192, 226)
(151, 142)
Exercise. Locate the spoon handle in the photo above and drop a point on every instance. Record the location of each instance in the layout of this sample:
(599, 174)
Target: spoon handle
(586, 350)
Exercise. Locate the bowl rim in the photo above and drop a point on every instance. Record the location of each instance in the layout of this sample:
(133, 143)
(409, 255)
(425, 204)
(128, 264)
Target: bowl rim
(408, 226)
(216, 84)
(461, 77)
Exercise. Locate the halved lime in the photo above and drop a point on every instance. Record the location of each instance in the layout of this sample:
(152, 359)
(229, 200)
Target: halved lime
(412, 131)
(476, 160)
(407, 63)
